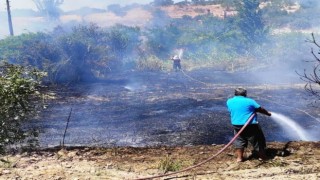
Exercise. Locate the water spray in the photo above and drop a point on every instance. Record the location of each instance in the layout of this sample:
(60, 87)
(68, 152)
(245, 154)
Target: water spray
(180, 53)
(291, 127)
(308, 114)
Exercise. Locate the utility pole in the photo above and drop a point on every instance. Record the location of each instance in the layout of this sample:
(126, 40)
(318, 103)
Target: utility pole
(9, 18)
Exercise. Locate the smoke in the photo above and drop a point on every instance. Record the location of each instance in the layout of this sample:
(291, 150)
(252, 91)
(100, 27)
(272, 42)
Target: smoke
(209, 41)
(135, 86)
(276, 60)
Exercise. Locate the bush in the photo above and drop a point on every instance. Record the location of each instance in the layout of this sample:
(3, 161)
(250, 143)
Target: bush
(84, 54)
(18, 94)
(152, 63)
(32, 49)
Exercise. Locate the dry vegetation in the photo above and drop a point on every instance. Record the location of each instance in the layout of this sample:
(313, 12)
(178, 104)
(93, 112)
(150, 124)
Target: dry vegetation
(292, 160)
(195, 10)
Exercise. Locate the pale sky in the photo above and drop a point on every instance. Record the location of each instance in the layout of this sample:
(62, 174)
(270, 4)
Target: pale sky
(31, 25)
(73, 4)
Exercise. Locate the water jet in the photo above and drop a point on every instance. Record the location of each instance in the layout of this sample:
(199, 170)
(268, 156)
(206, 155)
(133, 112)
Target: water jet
(291, 127)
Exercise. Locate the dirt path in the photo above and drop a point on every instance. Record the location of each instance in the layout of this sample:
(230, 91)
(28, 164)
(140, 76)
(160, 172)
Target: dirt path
(293, 160)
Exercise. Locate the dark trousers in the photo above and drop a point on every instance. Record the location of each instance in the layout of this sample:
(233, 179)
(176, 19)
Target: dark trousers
(252, 134)
(176, 65)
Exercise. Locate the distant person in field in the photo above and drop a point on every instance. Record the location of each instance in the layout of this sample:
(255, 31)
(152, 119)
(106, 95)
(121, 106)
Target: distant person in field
(241, 108)
(176, 63)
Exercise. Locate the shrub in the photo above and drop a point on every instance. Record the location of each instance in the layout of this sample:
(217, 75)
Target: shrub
(168, 164)
(18, 94)
(74, 56)
(152, 63)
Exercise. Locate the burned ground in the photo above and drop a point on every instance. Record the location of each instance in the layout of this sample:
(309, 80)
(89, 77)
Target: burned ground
(175, 109)
(178, 117)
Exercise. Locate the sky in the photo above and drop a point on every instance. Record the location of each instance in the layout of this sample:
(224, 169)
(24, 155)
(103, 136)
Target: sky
(73, 4)
(21, 25)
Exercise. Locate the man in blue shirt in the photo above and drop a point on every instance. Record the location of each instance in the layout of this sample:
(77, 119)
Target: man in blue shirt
(241, 108)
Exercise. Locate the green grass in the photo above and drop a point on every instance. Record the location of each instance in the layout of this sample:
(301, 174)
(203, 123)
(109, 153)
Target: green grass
(168, 164)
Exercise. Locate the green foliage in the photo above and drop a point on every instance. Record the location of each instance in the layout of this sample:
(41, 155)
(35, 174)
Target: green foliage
(275, 14)
(86, 53)
(152, 63)
(250, 24)
(124, 40)
(18, 90)
(162, 40)
(198, 2)
(28, 49)
(228, 3)
(163, 2)
(168, 164)
(81, 50)
(89, 52)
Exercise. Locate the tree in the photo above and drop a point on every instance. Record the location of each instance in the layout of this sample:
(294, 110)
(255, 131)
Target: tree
(49, 8)
(228, 4)
(198, 2)
(250, 23)
(162, 40)
(313, 79)
(163, 2)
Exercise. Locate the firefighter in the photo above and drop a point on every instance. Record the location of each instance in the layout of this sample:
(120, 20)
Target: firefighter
(241, 108)
(176, 63)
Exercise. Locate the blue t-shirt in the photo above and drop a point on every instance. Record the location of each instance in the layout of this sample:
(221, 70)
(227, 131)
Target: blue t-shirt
(241, 108)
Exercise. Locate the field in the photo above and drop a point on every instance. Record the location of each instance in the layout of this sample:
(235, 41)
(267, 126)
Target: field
(288, 159)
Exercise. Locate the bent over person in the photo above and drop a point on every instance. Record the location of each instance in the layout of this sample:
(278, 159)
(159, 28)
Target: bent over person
(241, 108)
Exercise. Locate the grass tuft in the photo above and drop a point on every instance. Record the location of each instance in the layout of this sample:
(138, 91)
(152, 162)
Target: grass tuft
(168, 164)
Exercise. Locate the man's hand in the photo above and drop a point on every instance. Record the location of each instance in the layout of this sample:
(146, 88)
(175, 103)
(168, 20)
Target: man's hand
(269, 114)
(263, 111)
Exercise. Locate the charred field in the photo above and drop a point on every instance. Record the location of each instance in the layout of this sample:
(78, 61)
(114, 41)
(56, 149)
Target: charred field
(125, 127)
(185, 108)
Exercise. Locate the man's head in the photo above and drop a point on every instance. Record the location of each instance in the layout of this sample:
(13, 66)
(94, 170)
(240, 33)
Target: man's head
(240, 92)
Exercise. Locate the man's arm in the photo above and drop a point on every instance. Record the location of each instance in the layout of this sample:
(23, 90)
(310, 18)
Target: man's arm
(263, 111)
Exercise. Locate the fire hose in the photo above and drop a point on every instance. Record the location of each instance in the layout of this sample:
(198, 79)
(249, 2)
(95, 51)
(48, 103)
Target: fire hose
(207, 160)
(194, 78)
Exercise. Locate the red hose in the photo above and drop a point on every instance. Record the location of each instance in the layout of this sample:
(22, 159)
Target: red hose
(207, 160)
